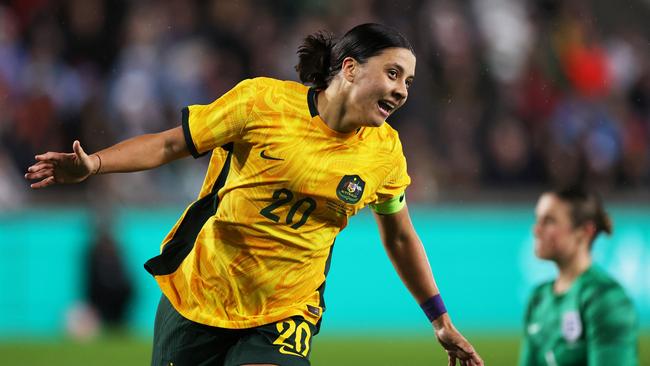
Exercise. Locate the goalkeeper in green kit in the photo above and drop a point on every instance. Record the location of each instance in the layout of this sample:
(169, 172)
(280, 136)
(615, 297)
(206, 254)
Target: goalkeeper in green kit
(582, 317)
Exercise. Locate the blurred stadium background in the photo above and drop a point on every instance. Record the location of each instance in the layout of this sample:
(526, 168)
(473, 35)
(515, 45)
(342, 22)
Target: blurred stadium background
(511, 97)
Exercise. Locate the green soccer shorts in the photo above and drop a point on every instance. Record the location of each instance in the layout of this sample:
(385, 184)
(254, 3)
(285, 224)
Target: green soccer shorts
(182, 342)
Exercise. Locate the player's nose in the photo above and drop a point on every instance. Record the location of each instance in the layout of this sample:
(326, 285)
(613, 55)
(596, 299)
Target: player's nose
(400, 93)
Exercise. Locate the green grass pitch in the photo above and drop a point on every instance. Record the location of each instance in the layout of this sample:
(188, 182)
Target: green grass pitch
(327, 350)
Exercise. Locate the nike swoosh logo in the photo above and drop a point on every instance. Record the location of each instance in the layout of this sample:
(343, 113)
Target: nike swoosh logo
(264, 156)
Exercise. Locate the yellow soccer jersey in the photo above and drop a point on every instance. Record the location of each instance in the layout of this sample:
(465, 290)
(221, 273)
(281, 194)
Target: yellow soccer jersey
(255, 247)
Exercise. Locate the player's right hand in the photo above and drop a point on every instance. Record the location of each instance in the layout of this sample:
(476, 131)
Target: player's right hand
(457, 347)
(54, 167)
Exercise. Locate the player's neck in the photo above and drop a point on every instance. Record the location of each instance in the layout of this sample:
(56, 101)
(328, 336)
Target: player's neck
(331, 108)
(569, 271)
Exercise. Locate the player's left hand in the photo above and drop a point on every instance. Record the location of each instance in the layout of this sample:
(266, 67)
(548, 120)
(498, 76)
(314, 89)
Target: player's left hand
(457, 347)
(59, 168)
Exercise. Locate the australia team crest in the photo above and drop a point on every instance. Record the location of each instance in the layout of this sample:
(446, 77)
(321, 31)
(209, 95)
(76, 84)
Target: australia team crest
(350, 189)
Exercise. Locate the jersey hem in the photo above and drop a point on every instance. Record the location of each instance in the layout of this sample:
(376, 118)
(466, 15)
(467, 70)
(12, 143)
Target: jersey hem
(247, 324)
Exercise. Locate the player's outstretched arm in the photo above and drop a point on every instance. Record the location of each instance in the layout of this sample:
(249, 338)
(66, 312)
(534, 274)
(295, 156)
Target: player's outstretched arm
(410, 260)
(135, 154)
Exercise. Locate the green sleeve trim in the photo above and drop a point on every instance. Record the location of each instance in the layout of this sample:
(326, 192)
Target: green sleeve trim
(391, 206)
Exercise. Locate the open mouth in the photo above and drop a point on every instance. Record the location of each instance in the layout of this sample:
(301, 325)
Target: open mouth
(385, 107)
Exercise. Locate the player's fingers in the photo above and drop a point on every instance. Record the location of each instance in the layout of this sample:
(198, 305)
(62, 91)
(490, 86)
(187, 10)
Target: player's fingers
(40, 165)
(53, 157)
(474, 362)
(452, 359)
(44, 183)
(473, 356)
(45, 173)
(47, 156)
(478, 360)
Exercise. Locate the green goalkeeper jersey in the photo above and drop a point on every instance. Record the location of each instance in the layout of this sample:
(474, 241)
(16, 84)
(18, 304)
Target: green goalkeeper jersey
(593, 323)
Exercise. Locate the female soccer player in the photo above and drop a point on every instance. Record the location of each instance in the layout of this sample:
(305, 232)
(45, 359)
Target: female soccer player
(243, 270)
(582, 317)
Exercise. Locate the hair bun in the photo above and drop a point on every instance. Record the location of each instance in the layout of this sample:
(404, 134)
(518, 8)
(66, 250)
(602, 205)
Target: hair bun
(315, 58)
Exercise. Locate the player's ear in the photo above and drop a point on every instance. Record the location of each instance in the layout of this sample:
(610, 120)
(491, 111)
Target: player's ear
(349, 68)
(588, 229)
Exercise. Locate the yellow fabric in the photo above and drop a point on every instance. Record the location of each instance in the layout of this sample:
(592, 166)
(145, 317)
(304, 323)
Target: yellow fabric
(254, 263)
(217, 160)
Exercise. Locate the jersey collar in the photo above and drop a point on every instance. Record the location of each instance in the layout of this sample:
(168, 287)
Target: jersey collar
(311, 101)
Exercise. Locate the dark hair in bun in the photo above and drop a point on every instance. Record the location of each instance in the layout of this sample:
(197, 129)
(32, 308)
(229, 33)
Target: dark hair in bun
(321, 57)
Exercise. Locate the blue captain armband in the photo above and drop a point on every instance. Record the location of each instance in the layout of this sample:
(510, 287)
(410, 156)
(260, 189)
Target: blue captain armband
(390, 206)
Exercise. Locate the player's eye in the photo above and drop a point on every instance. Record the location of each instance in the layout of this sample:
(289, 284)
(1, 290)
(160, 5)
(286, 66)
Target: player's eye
(409, 82)
(392, 73)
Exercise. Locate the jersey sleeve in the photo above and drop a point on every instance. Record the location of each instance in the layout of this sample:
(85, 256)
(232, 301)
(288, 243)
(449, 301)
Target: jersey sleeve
(397, 180)
(208, 126)
(611, 329)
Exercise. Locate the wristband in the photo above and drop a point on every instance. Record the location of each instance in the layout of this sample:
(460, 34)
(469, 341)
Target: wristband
(433, 307)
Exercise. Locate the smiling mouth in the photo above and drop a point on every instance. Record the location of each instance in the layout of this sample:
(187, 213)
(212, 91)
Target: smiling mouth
(385, 107)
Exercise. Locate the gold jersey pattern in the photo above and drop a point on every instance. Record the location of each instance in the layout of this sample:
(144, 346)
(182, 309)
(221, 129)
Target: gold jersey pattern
(255, 247)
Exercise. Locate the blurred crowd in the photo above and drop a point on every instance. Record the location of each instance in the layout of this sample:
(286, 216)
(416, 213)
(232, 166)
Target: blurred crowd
(508, 94)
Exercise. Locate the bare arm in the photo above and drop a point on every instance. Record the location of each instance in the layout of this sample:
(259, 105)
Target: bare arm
(407, 254)
(138, 153)
(144, 152)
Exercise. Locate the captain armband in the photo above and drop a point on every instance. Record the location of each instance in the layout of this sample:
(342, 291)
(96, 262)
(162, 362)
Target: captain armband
(390, 206)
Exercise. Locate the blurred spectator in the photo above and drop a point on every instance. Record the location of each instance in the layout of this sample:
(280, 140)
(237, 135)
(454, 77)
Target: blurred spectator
(12, 188)
(109, 287)
(510, 93)
(508, 156)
